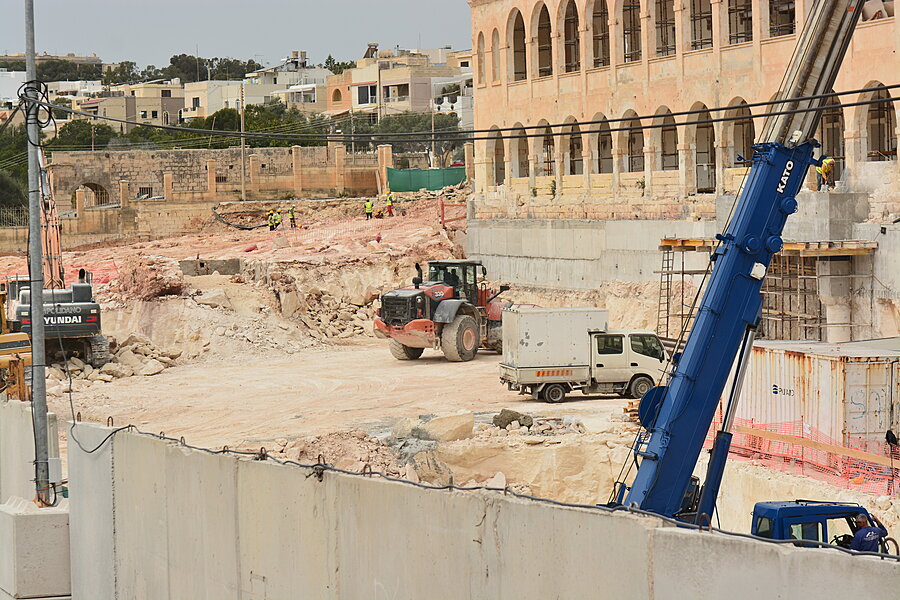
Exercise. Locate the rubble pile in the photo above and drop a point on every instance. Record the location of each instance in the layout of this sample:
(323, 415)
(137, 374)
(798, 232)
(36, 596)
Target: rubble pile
(144, 278)
(137, 355)
(348, 450)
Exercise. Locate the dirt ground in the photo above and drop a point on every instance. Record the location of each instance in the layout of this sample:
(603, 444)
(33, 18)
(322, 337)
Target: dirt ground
(255, 401)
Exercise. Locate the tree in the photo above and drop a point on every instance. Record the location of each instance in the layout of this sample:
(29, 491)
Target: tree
(65, 70)
(13, 145)
(61, 114)
(78, 134)
(12, 192)
(338, 67)
(418, 124)
(125, 72)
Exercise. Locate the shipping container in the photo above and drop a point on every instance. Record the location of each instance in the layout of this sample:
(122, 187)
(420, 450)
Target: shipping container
(544, 337)
(844, 394)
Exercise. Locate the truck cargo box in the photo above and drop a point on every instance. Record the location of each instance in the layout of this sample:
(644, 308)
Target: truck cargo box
(550, 337)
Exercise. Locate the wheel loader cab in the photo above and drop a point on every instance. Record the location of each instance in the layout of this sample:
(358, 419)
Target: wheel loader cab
(461, 276)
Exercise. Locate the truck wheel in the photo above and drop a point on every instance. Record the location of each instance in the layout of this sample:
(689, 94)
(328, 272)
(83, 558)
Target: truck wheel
(401, 352)
(554, 393)
(459, 340)
(639, 387)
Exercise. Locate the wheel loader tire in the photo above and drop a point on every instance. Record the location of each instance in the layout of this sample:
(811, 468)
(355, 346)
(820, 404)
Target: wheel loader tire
(639, 387)
(401, 352)
(460, 339)
(554, 393)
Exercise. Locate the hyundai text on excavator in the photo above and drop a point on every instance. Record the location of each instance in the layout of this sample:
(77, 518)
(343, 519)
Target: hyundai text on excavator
(677, 415)
(71, 314)
(451, 311)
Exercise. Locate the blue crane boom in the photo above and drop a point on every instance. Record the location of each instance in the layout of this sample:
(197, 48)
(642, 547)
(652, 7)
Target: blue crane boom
(679, 414)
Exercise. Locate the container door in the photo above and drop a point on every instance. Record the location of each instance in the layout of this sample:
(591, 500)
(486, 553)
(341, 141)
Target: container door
(868, 412)
(610, 360)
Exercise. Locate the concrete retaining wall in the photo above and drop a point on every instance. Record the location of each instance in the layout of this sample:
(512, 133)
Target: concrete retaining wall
(577, 254)
(161, 521)
(17, 449)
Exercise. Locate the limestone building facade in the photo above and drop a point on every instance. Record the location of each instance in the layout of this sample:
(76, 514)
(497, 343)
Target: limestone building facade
(587, 69)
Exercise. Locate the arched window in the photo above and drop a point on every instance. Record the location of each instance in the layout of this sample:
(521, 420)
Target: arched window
(881, 123)
(781, 17)
(604, 149)
(337, 97)
(668, 140)
(480, 59)
(499, 159)
(545, 44)
(631, 30)
(572, 39)
(495, 56)
(548, 153)
(701, 24)
(740, 21)
(744, 135)
(518, 150)
(831, 134)
(575, 150)
(635, 158)
(706, 152)
(665, 27)
(518, 63)
(600, 29)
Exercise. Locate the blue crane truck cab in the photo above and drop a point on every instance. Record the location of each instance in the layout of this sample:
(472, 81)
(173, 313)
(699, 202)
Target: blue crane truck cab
(826, 522)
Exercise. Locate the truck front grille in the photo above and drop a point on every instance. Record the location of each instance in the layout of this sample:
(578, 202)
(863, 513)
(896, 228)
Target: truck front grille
(395, 311)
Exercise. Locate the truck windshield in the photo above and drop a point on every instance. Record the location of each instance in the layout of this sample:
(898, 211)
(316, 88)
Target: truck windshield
(450, 274)
(648, 345)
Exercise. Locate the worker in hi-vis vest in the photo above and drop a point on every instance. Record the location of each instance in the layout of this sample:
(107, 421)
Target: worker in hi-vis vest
(370, 208)
(389, 202)
(826, 172)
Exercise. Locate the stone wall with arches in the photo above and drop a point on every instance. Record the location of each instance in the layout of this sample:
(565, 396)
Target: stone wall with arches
(593, 83)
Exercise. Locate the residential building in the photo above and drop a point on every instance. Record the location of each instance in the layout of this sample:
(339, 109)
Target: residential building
(203, 98)
(74, 89)
(387, 82)
(455, 95)
(152, 103)
(10, 82)
(93, 59)
(596, 66)
(305, 97)
(293, 70)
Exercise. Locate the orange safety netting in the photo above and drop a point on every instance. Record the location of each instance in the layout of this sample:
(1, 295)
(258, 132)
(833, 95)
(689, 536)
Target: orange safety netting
(828, 466)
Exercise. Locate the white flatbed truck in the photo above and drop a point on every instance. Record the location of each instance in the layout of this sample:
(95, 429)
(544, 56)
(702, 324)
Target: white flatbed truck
(550, 352)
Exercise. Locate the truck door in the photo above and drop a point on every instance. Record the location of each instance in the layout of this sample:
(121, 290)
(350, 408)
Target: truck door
(610, 361)
(646, 354)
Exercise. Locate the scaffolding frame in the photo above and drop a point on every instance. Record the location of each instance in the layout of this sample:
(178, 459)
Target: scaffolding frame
(792, 306)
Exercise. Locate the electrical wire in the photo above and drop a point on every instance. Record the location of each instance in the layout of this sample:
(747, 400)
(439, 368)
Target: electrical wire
(464, 136)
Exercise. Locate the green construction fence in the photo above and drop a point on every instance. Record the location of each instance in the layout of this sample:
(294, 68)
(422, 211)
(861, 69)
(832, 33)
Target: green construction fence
(413, 180)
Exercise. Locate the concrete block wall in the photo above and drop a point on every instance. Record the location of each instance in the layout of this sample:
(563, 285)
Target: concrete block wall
(575, 254)
(17, 449)
(168, 522)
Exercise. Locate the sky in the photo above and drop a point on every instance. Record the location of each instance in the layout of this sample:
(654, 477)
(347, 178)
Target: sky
(264, 30)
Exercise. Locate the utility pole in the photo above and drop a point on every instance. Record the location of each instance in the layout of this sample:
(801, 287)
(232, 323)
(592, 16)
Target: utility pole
(243, 151)
(92, 135)
(433, 140)
(36, 273)
(352, 139)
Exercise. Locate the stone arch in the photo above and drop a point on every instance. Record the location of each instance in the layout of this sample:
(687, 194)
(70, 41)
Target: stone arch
(602, 143)
(495, 56)
(569, 23)
(518, 151)
(703, 136)
(542, 32)
(739, 135)
(517, 41)
(599, 12)
(479, 59)
(95, 194)
(632, 142)
(830, 133)
(337, 97)
(545, 149)
(879, 121)
(497, 153)
(572, 143)
(665, 137)
(629, 15)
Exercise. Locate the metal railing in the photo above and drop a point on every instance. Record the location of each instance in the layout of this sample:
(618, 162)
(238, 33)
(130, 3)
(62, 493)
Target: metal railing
(13, 216)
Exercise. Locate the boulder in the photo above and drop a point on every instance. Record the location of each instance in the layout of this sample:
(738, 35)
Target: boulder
(130, 359)
(403, 428)
(446, 428)
(151, 367)
(76, 363)
(498, 481)
(291, 303)
(136, 339)
(115, 369)
(507, 416)
(215, 299)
